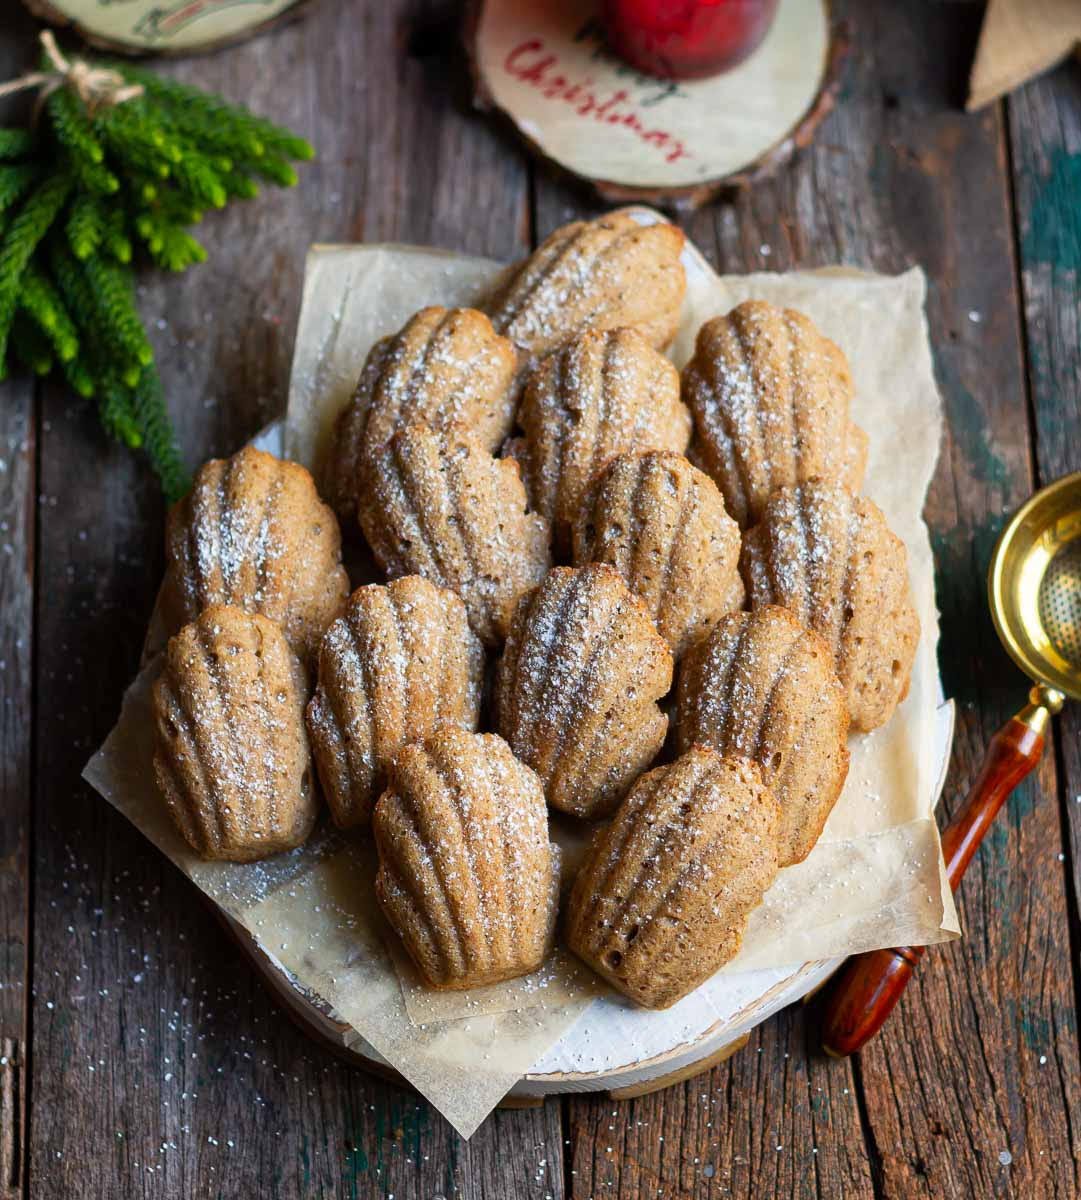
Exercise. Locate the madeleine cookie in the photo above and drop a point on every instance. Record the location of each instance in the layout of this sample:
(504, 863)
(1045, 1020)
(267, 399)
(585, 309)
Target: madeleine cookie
(663, 898)
(445, 367)
(595, 275)
(436, 503)
(253, 533)
(662, 524)
(231, 755)
(761, 686)
(577, 687)
(830, 559)
(770, 397)
(467, 876)
(401, 661)
(603, 394)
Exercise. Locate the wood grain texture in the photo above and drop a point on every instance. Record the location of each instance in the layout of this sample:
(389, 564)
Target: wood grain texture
(18, 445)
(1045, 144)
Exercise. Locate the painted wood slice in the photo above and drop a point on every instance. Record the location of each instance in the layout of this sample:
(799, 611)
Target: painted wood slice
(164, 26)
(544, 66)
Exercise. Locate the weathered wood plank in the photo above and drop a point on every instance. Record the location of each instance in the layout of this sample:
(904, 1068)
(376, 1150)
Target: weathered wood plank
(161, 1064)
(18, 441)
(1045, 141)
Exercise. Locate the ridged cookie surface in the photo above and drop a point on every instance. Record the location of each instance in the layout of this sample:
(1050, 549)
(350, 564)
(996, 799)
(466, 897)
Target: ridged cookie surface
(761, 686)
(662, 524)
(598, 275)
(603, 394)
(445, 367)
(770, 397)
(662, 900)
(577, 687)
(436, 503)
(830, 559)
(467, 876)
(253, 533)
(401, 661)
(231, 754)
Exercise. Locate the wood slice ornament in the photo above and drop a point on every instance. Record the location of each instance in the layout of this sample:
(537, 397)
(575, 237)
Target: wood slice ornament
(165, 26)
(544, 66)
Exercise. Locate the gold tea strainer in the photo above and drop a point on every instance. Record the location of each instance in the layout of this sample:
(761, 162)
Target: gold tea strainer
(1034, 589)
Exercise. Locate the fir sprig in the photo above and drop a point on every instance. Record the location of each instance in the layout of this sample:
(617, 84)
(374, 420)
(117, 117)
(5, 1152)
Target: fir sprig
(96, 180)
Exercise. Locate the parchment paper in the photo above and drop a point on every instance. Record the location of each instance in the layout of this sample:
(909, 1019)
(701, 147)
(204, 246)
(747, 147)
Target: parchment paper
(875, 879)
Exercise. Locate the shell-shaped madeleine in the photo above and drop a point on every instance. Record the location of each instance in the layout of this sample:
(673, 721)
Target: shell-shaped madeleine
(598, 275)
(662, 524)
(662, 900)
(231, 754)
(829, 557)
(770, 397)
(446, 366)
(467, 876)
(577, 687)
(603, 394)
(436, 503)
(401, 661)
(253, 533)
(761, 686)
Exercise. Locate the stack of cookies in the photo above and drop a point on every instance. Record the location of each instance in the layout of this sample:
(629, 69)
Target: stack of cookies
(662, 598)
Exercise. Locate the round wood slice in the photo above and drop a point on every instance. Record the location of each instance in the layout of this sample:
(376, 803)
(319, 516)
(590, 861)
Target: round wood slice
(544, 67)
(165, 26)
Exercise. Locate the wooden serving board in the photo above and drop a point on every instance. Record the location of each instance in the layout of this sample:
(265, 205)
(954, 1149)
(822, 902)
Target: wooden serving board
(544, 67)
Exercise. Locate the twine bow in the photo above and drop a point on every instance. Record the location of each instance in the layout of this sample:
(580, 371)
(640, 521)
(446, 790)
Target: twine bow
(96, 87)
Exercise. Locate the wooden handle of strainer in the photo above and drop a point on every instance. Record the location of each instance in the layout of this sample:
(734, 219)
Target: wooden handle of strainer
(863, 993)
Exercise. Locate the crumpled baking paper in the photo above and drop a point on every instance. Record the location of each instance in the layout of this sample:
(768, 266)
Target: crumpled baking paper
(876, 877)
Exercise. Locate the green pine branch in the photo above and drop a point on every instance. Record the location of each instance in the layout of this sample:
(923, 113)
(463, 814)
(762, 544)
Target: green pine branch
(81, 196)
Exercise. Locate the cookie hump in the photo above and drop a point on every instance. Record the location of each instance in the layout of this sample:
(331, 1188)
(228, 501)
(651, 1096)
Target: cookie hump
(770, 397)
(605, 393)
(467, 876)
(231, 755)
(829, 557)
(445, 367)
(253, 533)
(596, 274)
(436, 503)
(401, 661)
(577, 687)
(662, 900)
(662, 524)
(761, 686)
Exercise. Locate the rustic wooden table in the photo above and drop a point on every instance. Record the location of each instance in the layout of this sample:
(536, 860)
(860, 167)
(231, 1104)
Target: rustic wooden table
(141, 1057)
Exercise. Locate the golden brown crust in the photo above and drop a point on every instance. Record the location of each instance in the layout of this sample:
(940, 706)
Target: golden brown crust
(577, 687)
(436, 503)
(231, 754)
(761, 686)
(467, 876)
(253, 533)
(662, 524)
(603, 394)
(770, 397)
(445, 367)
(663, 897)
(830, 559)
(401, 661)
(596, 275)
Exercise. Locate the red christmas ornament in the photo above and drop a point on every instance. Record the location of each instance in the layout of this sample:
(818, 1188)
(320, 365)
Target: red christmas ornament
(686, 39)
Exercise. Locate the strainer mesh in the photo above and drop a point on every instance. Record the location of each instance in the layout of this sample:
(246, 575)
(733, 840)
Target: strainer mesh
(1060, 602)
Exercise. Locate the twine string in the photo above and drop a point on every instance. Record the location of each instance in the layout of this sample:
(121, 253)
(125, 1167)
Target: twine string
(97, 87)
